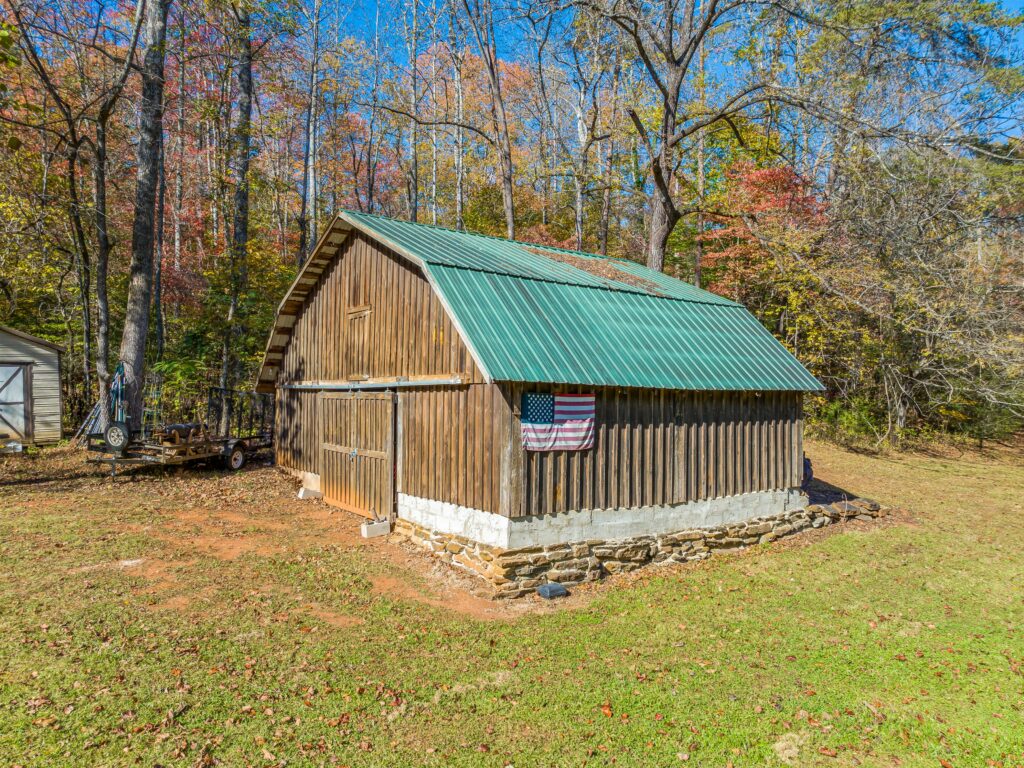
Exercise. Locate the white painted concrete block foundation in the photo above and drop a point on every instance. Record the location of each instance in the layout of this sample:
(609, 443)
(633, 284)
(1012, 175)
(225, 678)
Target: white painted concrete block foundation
(581, 525)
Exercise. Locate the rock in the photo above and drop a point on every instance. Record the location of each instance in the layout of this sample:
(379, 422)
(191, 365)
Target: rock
(530, 570)
(868, 504)
(865, 518)
(782, 530)
(579, 550)
(768, 537)
(757, 529)
(614, 566)
(513, 560)
(566, 576)
(727, 542)
(846, 508)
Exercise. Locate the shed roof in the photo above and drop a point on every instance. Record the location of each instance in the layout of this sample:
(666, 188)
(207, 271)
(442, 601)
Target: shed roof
(30, 338)
(533, 313)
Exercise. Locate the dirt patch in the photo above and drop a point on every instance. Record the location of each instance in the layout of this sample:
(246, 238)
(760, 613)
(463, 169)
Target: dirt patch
(452, 598)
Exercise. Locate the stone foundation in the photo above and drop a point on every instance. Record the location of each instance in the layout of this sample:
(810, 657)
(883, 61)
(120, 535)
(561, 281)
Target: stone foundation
(516, 572)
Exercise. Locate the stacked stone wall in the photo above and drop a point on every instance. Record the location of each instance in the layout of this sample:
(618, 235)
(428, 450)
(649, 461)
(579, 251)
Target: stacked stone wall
(516, 572)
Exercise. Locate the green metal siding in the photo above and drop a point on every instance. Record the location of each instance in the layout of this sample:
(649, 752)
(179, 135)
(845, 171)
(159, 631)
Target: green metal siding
(533, 319)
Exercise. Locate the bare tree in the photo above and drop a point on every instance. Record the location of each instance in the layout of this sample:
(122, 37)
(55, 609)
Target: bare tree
(242, 45)
(307, 217)
(910, 48)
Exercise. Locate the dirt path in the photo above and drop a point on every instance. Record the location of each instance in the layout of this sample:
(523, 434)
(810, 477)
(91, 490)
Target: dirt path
(191, 514)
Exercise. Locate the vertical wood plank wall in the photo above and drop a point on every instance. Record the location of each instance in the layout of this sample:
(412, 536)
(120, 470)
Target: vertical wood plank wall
(297, 443)
(372, 315)
(655, 447)
(452, 444)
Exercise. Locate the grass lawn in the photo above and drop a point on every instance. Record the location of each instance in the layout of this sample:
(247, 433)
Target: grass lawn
(200, 618)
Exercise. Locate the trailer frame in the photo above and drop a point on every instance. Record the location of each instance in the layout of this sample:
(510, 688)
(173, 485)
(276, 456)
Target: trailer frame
(237, 425)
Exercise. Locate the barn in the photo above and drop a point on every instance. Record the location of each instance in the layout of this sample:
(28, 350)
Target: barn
(527, 412)
(30, 396)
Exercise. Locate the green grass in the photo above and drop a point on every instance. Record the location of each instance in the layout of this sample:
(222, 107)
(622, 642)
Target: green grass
(253, 633)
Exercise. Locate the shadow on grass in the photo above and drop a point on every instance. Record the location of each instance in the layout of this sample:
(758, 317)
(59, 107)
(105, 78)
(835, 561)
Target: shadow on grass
(821, 492)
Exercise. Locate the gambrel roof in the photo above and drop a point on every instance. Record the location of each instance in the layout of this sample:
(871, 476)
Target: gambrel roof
(533, 313)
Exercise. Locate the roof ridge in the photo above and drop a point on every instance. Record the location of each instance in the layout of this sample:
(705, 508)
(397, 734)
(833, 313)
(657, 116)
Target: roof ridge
(712, 298)
(717, 301)
(499, 238)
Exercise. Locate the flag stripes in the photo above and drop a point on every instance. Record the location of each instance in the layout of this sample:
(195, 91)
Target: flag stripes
(557, 422)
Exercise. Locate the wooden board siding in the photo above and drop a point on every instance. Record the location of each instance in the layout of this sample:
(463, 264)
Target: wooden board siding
(373, 315)
(452, 445)
(656, 447)
(297, 430)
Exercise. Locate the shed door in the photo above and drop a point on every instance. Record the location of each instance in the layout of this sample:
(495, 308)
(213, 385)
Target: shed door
(15, 402)
(357, 452)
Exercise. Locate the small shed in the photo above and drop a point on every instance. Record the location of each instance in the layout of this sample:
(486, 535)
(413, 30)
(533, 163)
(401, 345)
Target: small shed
(490, 396)
(30, 395)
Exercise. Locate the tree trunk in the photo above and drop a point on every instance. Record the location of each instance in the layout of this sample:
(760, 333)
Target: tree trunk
(606, 198)
(663, 220)
(307, 214)
(698, 251)
(481, 19)
(158, 256)
(83, 266)
(433, 127)
(240, 222)
(460, 140)
(102, 264)
(414, 166)
(578, 213)
(140, 286)
(179, 175)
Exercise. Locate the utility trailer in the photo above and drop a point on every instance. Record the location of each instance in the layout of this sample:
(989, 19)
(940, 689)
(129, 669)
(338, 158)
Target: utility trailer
(237, 425)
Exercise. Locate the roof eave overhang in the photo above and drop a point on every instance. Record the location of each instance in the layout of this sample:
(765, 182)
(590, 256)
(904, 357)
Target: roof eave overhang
(32, 339)
(323, 253)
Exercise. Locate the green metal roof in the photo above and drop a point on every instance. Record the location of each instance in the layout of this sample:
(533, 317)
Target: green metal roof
(528, 314)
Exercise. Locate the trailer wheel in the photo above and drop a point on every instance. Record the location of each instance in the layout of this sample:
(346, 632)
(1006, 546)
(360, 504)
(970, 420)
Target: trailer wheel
(236, 459)
(116, 437)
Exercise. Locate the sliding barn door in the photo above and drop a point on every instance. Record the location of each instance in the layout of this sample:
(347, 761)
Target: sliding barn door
(357, 452)
(15, 402)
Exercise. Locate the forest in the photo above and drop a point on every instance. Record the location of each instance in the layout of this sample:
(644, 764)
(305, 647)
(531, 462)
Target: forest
(850, 170)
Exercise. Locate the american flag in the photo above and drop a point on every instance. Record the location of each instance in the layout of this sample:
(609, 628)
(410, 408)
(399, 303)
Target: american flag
(557, 422)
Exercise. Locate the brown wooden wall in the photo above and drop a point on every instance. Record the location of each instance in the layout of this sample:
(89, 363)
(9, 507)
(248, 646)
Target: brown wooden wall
(452, 445)
(656, 447)
(297, 433)
(374, 315)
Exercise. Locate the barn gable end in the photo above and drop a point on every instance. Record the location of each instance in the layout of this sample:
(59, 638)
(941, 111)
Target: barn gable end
(371, 319)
